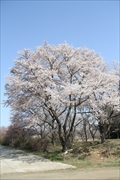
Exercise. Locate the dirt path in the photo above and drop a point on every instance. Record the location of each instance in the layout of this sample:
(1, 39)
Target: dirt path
(78, 174)
(17, 161)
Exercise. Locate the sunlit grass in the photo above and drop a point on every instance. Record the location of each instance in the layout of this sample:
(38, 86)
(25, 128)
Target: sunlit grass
(105, 155)
(81, 160)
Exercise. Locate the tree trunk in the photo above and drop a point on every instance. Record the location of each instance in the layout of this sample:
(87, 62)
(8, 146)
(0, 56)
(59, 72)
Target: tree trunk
(53, 139)
(102, 136)
(86, 138)
(63, 144)
(102, 132)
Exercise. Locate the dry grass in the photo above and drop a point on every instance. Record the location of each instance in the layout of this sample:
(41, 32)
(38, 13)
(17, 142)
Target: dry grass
(87, 154)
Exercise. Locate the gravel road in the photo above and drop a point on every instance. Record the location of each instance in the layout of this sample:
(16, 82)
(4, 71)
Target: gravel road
(68, 174)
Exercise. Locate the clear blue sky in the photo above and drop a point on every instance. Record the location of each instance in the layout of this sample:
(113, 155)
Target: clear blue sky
(27, 24)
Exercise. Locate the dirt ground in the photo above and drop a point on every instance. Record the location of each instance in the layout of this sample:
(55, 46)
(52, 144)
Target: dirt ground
(75, 174)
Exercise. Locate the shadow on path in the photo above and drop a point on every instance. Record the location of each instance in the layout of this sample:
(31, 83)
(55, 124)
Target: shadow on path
(19, 155)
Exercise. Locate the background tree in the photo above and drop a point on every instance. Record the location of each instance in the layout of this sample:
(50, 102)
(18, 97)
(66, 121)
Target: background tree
(3, 131)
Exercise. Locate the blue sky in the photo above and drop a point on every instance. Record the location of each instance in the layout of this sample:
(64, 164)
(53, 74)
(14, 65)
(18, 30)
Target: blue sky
(27, 24)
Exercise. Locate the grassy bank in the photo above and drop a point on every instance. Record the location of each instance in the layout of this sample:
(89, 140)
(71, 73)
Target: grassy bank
(86, 154)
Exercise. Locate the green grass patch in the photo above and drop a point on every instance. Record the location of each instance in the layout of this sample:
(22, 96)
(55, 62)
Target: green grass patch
(53, 156)
(109, 151)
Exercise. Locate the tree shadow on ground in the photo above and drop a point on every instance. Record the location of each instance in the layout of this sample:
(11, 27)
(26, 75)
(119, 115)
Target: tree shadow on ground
(19, 155)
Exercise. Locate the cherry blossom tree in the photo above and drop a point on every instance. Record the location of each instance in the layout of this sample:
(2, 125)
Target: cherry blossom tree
(106, 103)
(56, 81)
